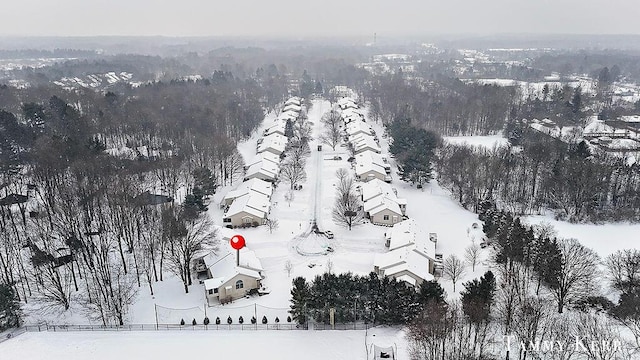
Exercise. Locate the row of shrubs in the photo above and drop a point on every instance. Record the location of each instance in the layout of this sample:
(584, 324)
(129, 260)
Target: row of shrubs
(240, 320)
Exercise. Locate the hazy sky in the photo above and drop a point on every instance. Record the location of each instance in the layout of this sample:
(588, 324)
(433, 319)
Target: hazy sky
(317, 17)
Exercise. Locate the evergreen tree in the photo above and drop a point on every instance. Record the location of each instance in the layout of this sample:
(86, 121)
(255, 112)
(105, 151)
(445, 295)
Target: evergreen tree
(10, 312)
(264, 319)
(229, 320)
(241, 320)
(478, 297)
(431, 291)
(300, 297)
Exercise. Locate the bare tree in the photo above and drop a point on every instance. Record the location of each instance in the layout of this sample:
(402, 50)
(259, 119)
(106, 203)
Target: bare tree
(623, 268)
(471, 255)
(289, 196)
(331, 135)
(329, 266)
(578, 275)
(272, 224)
(347, 210)
(293, 173)
(453, 269)
(187, 239)
(598, 338)
(288, 267)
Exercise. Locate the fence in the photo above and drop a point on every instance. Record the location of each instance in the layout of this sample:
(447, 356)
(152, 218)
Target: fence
(171, 327)
(161, 327)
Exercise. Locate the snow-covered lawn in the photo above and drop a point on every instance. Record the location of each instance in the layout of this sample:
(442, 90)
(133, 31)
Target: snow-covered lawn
(272, 344)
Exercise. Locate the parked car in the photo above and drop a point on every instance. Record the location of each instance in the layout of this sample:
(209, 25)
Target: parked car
(328, 234)
(337, 157)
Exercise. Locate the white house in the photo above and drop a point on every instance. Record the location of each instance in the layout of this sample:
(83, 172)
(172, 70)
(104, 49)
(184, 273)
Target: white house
(359, 127)
(247, 210)
(226, 279)
(370, 165)
(292, 107)
(274, 143)
(277, 128)
(293, 101)
(257, 185)
(405, 264)
(381, 203)
(362, 143)
(263, 169)
(346, 103)
(411, 256)
(288, 115)
(383, 210)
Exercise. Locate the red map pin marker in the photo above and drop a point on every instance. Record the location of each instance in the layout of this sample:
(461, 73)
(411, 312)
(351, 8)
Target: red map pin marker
(237, 242)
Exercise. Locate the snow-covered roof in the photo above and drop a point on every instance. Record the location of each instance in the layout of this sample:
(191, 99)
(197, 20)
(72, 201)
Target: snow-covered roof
(408, 233)
(293, 100)
(382, 203)
(630, 118)
(358, 127)
(223, 267)
(288, 115)
(347, 102)
(277, 128)
(375, 188)
(254, 184)
(292, 107)
(264, 156)
(263, 167)
(362, 142)
(368, 161)
(275, 143)
(253, 203)
(404, 260)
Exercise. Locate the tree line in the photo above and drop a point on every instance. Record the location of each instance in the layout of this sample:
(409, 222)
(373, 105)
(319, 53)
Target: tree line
(537, 278)
(102, 194)
(543, 173)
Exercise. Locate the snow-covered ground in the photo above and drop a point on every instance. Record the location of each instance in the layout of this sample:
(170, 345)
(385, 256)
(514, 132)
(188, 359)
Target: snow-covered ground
(281, 345)
(355, 250)
(488, 141)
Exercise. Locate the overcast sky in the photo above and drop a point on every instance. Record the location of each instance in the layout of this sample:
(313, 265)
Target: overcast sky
(299, 18)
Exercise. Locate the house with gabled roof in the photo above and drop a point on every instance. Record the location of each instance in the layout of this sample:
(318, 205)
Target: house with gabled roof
(362, 143)
(383, 210)
(264, 170)
(274, 143)
(381, 203)
(411, 256)
(292, 107)
(247, 210)
(359, 127)
(256, 185)
(277, 127)
(404, 264)
(370, 165)
(226, 278)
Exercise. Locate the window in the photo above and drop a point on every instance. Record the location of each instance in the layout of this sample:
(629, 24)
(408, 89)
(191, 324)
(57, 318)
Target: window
(385, 217)
(210, 291)
(239, 284)
(246, 220)
(215, 291)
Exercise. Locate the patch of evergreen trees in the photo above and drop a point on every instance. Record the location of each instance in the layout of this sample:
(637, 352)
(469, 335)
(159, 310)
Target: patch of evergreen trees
(380, 300)
(413, 149)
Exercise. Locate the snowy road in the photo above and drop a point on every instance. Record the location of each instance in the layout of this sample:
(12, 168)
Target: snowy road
(315, 116)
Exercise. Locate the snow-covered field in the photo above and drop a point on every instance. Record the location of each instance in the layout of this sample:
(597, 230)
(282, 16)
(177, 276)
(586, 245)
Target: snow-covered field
(281, 345)
(488, 141)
